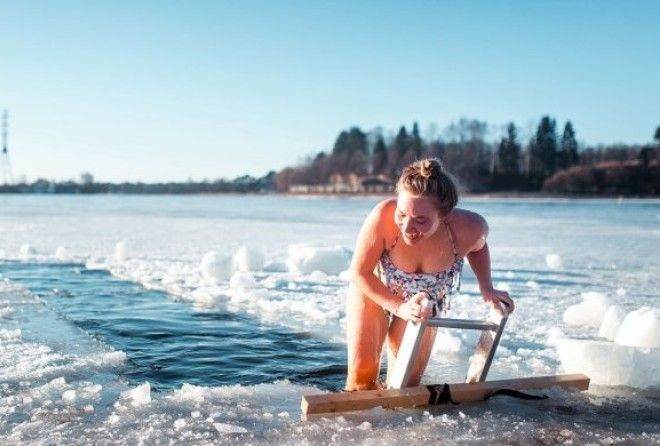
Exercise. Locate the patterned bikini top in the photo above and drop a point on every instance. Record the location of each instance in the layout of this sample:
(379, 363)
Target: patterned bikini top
(439, 285)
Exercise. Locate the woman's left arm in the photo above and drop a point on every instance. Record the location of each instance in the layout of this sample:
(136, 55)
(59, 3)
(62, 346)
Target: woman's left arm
(479, 258)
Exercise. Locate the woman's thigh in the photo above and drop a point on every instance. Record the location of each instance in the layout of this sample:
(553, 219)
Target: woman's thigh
(394, 338)
(366, 329)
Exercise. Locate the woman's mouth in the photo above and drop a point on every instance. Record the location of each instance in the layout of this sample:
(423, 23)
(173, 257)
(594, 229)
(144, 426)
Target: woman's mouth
(413, 237)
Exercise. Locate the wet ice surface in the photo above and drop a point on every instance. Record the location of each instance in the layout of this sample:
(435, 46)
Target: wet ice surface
(69, 374)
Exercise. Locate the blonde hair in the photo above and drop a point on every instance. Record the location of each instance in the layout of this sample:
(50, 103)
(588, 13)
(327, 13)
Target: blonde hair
(427, 177)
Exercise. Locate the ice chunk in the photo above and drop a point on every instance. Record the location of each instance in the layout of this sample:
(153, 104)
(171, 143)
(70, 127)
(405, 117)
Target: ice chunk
(61, 254)
(248, 259)
(179, 424)
(189, 392)
(318, 276)
(10, 334)
(121, 253)
(57, 382)
(590, 311)
(225, 428)
(114, 358)
(26, 249)
(554, 336)
(242, 281)
(69, 396)
(215, 267)
(304, 259)
(607, 363)
(640, 328)
(553, 261)
(611, 323)
(138, 396)
(446, 342)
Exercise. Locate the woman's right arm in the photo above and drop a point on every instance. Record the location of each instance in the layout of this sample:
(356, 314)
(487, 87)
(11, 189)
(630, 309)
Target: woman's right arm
(369, 248)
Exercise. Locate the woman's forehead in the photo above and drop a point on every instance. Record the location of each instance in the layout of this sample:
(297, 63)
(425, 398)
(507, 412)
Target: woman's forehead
(415, 205)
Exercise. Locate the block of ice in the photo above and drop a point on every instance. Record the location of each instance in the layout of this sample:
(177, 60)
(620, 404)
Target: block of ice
(640, 328)
(248, 259)
(121, 253)
(225, 428)
(69, 396)
(139, 395)
(26, 249)
(445, 342)
(590, 311)
(553, 261)
(318, 276)
(242, 281)
(61, 254)
(611, 322)
(304, 259)
(611, 364)
(215, 267)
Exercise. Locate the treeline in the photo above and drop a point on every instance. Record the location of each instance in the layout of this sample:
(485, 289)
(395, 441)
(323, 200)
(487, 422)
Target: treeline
(507, 164)
(243, 184)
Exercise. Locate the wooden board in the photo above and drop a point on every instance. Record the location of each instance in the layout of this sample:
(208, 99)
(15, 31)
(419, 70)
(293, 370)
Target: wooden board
(329, 403)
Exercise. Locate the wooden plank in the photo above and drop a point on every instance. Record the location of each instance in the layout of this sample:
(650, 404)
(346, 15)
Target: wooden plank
(329, 403)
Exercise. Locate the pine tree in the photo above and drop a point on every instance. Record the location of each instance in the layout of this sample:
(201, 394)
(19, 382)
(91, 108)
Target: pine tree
(416, 141)
(568, 153)
(379, 157)
(543, 149)
(508, 153)
(401, 143)
(657, 135)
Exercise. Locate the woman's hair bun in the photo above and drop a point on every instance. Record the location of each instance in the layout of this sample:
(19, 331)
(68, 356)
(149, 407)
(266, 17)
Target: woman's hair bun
(427, 167)
(428, 177)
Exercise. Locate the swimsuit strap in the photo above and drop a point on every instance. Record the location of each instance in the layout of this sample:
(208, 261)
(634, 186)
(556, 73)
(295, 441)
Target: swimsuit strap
(451, 239)
(394, 242)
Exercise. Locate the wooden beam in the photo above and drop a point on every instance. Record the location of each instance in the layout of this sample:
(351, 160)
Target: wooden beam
(329, 403)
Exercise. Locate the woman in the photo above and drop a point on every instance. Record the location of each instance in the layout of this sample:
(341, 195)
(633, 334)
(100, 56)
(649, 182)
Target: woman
(409, 249)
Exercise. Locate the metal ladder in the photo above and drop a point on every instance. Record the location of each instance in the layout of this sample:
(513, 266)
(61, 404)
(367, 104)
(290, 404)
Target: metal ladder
(412, 338)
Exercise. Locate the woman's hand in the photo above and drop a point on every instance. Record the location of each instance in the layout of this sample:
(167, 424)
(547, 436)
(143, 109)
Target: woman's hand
(415, 309)
(499, 300)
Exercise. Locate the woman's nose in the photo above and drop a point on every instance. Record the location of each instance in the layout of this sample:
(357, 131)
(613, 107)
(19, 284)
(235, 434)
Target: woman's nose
(408, 226)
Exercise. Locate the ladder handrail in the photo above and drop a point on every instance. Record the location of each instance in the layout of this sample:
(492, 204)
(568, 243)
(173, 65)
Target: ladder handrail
(467, 324)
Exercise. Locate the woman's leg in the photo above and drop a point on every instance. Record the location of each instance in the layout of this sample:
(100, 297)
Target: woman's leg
(366, 328)
(394, 337)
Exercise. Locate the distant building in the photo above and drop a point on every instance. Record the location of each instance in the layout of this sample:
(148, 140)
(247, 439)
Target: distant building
(86, 178)
(346, 184)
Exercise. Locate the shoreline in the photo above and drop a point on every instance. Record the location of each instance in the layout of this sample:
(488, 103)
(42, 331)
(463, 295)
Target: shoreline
(479, 195)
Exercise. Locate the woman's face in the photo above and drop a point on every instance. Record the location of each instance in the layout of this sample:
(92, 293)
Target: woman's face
(416, 216)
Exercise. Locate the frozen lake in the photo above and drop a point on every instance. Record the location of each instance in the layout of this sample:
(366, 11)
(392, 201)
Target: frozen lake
(231, 307)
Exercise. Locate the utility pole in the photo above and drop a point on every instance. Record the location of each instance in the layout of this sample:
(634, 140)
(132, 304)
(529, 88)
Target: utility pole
(7, 177)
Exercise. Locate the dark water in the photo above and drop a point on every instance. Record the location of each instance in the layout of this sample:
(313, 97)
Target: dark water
(169, 343)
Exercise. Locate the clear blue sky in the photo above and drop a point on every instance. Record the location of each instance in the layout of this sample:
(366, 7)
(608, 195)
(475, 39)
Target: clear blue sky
(166, 90)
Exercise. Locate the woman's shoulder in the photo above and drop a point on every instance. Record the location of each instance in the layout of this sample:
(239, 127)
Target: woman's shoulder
(382, 217)
(467, 223)
(384, 208)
